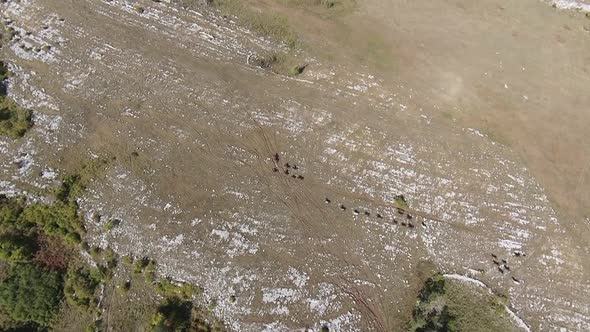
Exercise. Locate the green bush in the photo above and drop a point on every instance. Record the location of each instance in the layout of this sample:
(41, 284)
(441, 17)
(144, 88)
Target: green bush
(400, 202)
(182, 290)
(112, 223)
(31, 294)
(3, 71)
(144, 264)
(111, 258)
(80, 286)
(296, 70)
(128, 260)
(70, 188)
(14, 120)
(10, 216)
(174, 315)
(125, 285)
(60, 219)
(447, 305)
(431, 312)
(74, 185)
(17, 248)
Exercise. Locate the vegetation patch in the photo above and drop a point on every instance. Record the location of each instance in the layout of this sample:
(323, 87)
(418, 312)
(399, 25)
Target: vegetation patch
(80, 286)
(58, 219)
(3, 71)
(267, 61)
(172, 315)
(37, 259)
(447, 305)
(14, 120)
(400, 202)
(183, 290)
(297, 70)
(31, 294)
(111, 223)
(74, 185)
(272, 25)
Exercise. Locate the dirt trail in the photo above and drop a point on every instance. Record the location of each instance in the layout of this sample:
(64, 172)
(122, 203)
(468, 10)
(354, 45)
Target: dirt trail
(200, 195)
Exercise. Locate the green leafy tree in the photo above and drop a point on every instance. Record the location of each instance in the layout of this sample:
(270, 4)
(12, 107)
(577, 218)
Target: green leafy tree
(14, 120)
(174, 315)
(16, 247)
(59, 219)
(31, 294)
(80, 286)
(431, 313)
(10, 210)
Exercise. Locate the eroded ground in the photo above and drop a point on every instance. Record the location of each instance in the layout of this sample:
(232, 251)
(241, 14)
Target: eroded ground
(191, 131)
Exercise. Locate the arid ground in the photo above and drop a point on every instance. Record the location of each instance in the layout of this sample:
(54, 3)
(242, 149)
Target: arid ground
(477, 112)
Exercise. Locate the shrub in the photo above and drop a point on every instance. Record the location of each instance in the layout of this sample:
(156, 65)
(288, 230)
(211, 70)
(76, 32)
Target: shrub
(144, 264)
(296, 70)
(95, 252)
(74, 185)
(14, 120)
(80, 286)
(10, 209)
(400, 202)
(112, 223)
(128, 260)
(110, 258)
(447, 305)
(3, 71)
(104, 272)
(69, 189)
(173, 315)
(31, 294)
(16, 248)
(125, 285)
(10, 216)
(52, 253)
(182, 290)
(431, 312)
(60, 219)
